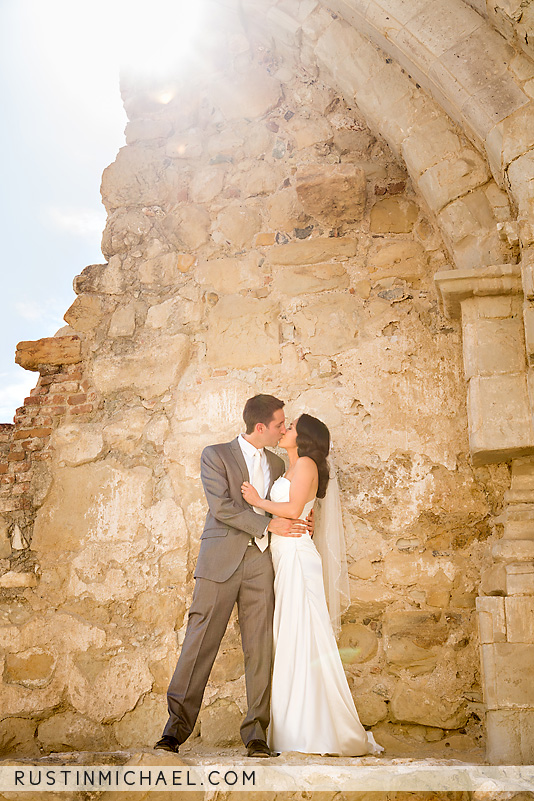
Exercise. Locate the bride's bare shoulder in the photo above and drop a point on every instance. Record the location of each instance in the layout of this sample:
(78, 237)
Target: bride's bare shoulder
(305, 464)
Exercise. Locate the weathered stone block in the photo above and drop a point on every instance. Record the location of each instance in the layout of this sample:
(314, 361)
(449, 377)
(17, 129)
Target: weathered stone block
(75, 444)
(149, 371)
(69, 731)
(328, 324)
(418, 704)
(510, 737)
(520, 619)
(17, 737)
(393, 215)
(237, 225)
(31, 668)
(491, 619)
(357, 643)
(429, 143)
(414, 639)
(243, 332)
(308, 279)
(207, 184)
(93, 502)
(371, 708)
(453, 177)
(406, 260)
(508, 675)
(229, 276)
(228, 666)
(187, 227)
(163, 270)
(5, 542)
(313, 251)
(49, 351)
(122, 322)
(14, 579)
(500, 421)
(85, 313)
(511, 551)
(104, 690)
(520, 579)
(143, 724)
(220, 722)
(333, 193)
(492, 347)
(309, 132)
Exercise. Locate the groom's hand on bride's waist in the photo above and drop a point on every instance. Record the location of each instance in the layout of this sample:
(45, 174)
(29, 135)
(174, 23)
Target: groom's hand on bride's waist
(287, 528)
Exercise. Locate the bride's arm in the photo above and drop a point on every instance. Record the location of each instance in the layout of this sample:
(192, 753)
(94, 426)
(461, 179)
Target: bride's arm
(302, 480)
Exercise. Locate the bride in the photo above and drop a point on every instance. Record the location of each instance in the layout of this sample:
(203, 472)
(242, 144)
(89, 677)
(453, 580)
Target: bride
(312, 710)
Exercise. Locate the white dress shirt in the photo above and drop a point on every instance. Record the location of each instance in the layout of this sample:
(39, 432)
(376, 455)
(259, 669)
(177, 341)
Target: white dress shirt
(248, 452)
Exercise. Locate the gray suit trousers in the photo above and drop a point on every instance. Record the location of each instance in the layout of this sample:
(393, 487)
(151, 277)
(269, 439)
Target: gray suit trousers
(251, 586)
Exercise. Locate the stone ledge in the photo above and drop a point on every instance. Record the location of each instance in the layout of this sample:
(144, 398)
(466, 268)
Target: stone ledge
(454, 286)
(49, 351)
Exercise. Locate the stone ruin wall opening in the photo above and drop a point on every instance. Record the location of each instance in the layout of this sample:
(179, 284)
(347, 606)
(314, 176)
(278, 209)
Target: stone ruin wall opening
(261, 236)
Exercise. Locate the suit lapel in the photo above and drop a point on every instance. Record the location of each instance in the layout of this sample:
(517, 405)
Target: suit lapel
(240, 459)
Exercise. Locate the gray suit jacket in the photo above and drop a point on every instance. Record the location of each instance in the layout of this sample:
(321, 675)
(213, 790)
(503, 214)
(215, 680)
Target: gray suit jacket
(231, 521)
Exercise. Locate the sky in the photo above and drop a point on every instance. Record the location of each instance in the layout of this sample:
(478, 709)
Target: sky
(62, 124)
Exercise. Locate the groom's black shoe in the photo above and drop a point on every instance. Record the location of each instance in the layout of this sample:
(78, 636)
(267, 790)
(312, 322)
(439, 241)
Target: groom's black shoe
(168, 743)
(258, 748)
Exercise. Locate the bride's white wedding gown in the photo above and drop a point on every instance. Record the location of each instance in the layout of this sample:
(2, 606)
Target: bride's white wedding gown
(312, 710)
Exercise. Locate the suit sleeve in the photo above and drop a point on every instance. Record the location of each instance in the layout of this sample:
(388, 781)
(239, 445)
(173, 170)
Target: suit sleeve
(221, 504)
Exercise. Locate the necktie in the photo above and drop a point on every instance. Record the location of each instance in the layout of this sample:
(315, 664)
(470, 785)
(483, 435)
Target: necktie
(259, 485)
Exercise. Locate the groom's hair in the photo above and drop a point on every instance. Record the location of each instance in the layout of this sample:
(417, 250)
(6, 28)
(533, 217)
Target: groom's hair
(260, 409)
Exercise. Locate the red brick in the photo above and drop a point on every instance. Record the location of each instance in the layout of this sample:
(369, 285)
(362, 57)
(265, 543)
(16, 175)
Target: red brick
(48, 379)
(54, 410)
(29, 433)
(16, 456)
(68, 387)
(75, 400)
(56, 399)
(32, 401)
(3, 469)
(7, 480)
(75, 374)
(33, 445)
(20, 467)
(85, 385)
(88, 407)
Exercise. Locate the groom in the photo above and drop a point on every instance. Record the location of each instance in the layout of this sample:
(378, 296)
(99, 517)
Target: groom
(234, 565)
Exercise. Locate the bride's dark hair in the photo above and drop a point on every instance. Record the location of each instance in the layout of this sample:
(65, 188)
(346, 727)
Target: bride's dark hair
(313, 440)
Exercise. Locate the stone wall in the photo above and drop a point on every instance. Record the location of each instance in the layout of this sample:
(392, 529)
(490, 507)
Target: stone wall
(260, 237)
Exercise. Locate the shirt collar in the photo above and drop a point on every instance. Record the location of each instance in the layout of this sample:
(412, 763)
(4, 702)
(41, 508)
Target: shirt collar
(248, 448)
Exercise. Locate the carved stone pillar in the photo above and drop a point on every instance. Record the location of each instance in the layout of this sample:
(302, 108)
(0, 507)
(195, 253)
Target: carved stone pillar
(490, 304)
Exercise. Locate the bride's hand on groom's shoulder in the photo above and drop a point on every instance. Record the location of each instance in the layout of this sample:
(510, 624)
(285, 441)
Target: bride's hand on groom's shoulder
(286, 527)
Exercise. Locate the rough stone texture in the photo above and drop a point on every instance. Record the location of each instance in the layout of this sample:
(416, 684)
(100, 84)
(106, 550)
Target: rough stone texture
(332, 193)
(265, 233)
(51, 351)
